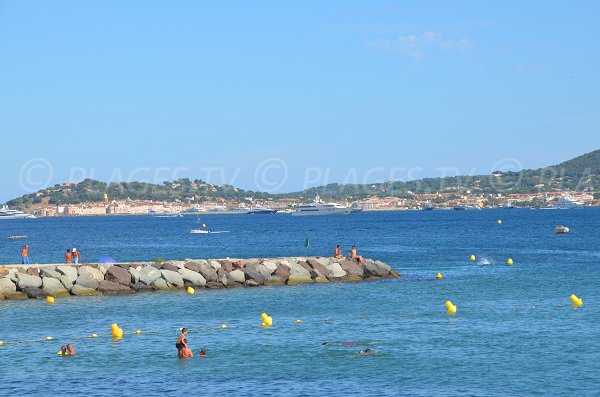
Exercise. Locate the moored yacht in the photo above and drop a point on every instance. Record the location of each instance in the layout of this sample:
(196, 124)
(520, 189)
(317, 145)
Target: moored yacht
(6, 213)
(318, 207)
(567, 202)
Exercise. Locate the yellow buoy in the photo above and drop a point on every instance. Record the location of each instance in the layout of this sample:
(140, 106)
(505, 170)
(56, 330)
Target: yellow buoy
(190, 290)
(450, 307)
(204, 225)
(267, 321)
(264, 316)
(472, 258)
(224, 326)
(116, 332)
(576, 300)
(298, 321)
(509, 261)
(94, 335)
(49, 338)
(439, 276)
(499, 221)
(1, 343)
(50, 299)
(138, 331)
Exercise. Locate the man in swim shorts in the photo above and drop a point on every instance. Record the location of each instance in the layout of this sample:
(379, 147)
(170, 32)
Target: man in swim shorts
(185, 351)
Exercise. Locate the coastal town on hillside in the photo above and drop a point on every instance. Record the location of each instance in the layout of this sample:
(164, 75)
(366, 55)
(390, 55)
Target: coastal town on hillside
(435, 201)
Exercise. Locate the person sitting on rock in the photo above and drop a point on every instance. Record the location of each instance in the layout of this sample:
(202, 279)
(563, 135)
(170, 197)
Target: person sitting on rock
(338, 252)
(353, 255)
(68, 257)
(185, 351)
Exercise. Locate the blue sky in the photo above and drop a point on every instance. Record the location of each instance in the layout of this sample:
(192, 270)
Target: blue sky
(283, 95)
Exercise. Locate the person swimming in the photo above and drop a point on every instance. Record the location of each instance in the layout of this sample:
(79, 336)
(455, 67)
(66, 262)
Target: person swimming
(185, 351)
(71, 350)
(366, 352)
(67, 350)
(202, 353)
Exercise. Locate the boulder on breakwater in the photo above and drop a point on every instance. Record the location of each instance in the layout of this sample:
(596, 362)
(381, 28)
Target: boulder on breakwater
(40, 281)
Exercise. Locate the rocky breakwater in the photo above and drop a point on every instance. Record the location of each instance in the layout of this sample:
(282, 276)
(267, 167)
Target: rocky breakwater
(40, 281)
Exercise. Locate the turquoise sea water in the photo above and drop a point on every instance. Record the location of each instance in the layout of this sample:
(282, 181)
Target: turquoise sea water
(515, 332)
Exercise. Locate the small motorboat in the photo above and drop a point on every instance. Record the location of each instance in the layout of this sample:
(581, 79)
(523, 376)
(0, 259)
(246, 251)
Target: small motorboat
(560, 229)
(17, 237)
(198, 231)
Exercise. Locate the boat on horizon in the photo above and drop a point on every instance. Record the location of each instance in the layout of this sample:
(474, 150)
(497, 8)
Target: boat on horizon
(318, 207)
(259, 210)
(567, 202)
(6, 213)
(465, 207)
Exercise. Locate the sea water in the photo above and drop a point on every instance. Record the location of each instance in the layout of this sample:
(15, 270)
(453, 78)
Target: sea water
(515, 332)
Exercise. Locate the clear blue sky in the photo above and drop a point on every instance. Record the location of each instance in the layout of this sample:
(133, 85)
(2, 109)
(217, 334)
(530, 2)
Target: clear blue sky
(359, 90)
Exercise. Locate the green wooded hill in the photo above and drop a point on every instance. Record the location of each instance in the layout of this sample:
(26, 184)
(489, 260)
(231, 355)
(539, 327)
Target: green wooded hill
(579, 174)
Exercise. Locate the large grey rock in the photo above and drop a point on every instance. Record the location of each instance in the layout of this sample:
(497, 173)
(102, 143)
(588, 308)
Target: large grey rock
(237, 276)
(35, 293)
(169, 266)
(192, 277)
(92, 272)
(173, 278)
(28, 281)
(252, 272)
(69, 271)
(66, 282)
(79, 290)
(377, 268)
(270, 266)
(208, 272)
(324, 261)
(298, 274)
(353, 268)
(86, 281)
(215, 265)
(226, 265)
(112, 288)
(54, 287)
(118, 275)
(148, 274)
(50, 272)
(193, 266)
(135, 273)
(7, 286)
(141, 287)
(222, 277)
(335, 271)
(282, 272)
(160, 284)
(317, 267)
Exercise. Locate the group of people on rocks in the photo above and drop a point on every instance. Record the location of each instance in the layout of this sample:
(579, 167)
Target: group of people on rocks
(338, 254)
(73, 256)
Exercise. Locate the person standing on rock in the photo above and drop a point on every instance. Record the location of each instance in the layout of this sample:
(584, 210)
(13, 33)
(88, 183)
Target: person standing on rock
(68, 257)
(25, 255)
(76, 256)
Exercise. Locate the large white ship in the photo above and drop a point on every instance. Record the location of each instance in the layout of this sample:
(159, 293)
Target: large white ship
(318, 207)
(6, 213)
(567, 202)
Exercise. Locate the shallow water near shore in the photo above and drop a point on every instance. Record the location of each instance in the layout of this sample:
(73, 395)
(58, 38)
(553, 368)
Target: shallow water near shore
(515, 332)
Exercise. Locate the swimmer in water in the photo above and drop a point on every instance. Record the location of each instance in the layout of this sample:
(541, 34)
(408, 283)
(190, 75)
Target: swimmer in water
(202, 353)
(71, 350)
(63, 350)
(185, 351)
(366, 352)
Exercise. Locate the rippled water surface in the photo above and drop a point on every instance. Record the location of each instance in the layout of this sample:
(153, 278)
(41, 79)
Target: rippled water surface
(515, 332)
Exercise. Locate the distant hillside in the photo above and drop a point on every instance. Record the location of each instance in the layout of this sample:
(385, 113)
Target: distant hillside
(580, 174)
